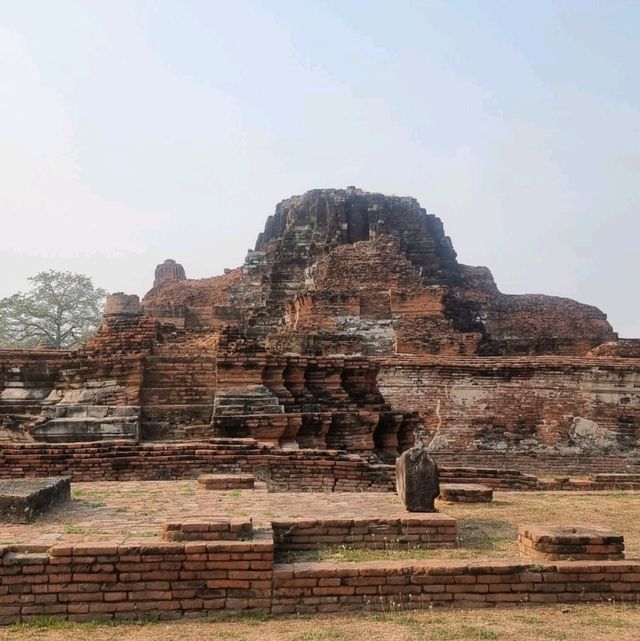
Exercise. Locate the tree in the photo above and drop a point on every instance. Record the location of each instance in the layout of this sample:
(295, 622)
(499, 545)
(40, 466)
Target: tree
(61, 310)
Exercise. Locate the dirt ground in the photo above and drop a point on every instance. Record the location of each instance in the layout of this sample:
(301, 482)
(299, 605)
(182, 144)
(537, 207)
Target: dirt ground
(545, 623)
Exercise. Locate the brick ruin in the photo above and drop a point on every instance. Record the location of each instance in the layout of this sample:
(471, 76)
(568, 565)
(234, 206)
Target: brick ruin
(350, 326)
(220, 570)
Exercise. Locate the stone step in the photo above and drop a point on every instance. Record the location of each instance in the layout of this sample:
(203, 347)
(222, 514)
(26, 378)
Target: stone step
(20, 408)
(248, 410)
(96, 411)
(245, 400)
(248, 400)
(80, 429)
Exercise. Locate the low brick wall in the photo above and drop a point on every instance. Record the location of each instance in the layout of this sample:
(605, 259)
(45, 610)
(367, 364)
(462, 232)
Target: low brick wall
(539, 463)
(222, 529)
(282, 470)
(172, 580)
(552, 543)
(417, 530)
(495, 478)
(331, 587)
(124, 582)
(227, 481)
(594, 483)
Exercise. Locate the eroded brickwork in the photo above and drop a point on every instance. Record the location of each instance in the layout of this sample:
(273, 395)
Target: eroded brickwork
(196, 578)
(350, 326)
(351, 272)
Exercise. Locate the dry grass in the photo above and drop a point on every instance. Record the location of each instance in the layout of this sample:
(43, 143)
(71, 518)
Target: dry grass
(549, 623)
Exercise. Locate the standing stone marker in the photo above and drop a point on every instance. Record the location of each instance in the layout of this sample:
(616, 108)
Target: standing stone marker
(417, 480)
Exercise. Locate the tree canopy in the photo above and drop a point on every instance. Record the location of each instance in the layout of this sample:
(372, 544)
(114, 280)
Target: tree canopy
(61, 310)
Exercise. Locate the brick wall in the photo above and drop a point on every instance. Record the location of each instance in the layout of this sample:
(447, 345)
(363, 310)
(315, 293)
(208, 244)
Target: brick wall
(542, 464)
(521, 406)
(339, 587)
(222, 529)
(428, 531)
(172, 580)
(123, 582)
(282, 470)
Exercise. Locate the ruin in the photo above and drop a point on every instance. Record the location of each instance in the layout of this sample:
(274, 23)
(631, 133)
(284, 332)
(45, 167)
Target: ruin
(351, 326)
(569, 543)
(350, 333)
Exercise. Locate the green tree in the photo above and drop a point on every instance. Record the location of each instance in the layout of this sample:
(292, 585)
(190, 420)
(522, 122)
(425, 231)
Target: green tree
(61, 310)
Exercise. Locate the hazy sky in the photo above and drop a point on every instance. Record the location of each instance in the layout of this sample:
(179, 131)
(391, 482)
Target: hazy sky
(131, 132)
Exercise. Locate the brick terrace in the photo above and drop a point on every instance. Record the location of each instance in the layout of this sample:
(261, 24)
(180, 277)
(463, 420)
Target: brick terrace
(133, 512)
(104, 556)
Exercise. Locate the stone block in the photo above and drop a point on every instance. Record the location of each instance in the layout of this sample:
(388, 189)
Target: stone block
(417, 480)
(465, 493)
(23, 500)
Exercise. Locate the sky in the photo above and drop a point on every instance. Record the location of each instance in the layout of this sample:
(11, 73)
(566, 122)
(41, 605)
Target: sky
(135, 131)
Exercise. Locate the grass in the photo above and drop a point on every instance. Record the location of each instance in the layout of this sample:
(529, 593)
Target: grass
(85, 495)
(320, 635)
(545, 623)
(354, 555)
(228, 634)
(81, 531)
(143, 533)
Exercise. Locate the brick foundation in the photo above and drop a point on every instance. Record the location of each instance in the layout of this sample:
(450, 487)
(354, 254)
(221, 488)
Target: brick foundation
(427, 531)
(577, 543)
(222, 529)
(227, 481)
(172, 580)
(126, 582)
(460, 493)
(23, 500)
(329, 587)
(283, 470)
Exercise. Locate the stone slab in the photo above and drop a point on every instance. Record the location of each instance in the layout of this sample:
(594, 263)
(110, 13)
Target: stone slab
(465, 493)
(23, 500)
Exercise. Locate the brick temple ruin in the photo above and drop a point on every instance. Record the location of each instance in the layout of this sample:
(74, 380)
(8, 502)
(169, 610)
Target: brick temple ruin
(193, 421)
(351, 326)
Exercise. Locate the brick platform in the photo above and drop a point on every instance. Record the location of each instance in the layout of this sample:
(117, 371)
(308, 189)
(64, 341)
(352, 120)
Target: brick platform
(574, 543)
(126, 582)
(465, 493)
(227, 481)
(283, 470)
(213, 530)
(171, 580)
(22, 501)
(593, 482)
(433, 530)
(339, 587)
